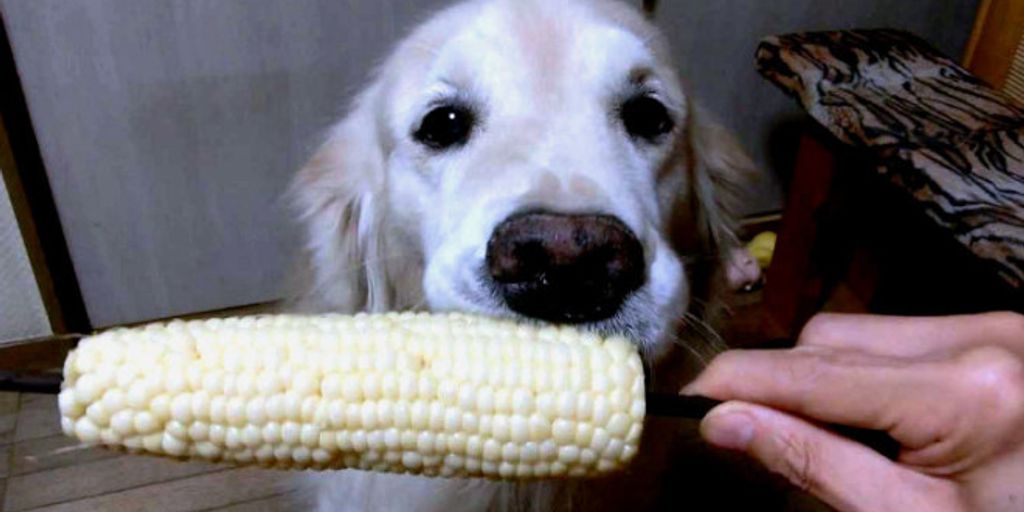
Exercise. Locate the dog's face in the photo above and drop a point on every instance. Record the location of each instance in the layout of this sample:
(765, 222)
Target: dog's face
(528, 158)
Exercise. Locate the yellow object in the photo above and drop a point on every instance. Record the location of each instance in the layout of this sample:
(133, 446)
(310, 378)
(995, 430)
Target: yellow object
(446, 395)
(762, 248)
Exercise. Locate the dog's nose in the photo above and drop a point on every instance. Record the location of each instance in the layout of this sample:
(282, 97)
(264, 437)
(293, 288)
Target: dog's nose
(565, 268)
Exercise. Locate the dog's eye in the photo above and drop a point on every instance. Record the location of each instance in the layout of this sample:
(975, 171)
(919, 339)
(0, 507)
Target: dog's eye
(646, 118)
(445, 127)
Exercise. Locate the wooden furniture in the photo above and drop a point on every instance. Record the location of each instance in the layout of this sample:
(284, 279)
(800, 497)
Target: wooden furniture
(908, 196)
(995, 52)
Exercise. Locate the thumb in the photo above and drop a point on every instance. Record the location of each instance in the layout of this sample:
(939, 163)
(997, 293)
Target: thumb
(840, 472)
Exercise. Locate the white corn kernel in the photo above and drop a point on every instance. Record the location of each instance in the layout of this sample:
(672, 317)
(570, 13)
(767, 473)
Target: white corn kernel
(540, 428)
(563, 431)
(86, 388)
(252, 436)
(176, 429)
(199, 431)
(145, 423)
(161, 407)
(291, 432)
(181, 408)
(87, 431)
(256, 411)
(568, 454)
(122, 422)
(218, 433)
(173, 446)
(98, 413)
(271, 433)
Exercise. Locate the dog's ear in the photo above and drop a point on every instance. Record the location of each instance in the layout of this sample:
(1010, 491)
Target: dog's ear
(720, 176)
(338, 197)
(716, 175)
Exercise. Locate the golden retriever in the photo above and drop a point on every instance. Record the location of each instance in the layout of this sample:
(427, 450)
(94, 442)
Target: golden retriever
(538, 159)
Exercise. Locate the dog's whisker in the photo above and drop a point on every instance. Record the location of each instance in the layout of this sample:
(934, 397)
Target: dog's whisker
(709, 338)
(704, 327)
(649, 366)
(420, 304)
(367, 262)
(700, 357)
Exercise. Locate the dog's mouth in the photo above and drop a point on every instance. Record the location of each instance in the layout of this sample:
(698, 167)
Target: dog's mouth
(630, 318)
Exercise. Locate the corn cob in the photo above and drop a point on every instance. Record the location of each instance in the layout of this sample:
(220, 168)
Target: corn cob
(438, 395)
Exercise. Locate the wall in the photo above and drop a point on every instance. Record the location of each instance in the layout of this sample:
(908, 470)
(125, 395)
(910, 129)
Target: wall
(22, 314)
(170, 131)
(715, 42)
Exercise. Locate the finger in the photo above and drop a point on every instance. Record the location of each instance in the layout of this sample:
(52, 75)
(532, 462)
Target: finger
(839, 387)
(842, 473)
(914, 336)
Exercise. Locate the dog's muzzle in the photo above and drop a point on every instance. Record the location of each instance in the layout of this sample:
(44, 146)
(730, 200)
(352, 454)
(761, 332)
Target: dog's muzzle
(565, 268)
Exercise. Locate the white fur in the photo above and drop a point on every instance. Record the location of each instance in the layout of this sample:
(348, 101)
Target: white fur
(391, 225)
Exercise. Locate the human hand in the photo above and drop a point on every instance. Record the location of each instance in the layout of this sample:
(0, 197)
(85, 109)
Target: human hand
(950, 390)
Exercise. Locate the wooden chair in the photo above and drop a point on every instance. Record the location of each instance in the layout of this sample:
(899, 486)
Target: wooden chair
(908, 193)
(995, 52)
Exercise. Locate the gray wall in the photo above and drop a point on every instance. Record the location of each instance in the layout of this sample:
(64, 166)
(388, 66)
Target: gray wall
(22, 314)
(169, 130)
(715, 42)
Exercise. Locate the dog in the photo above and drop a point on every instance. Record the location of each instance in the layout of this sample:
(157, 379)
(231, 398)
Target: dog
(534, 159)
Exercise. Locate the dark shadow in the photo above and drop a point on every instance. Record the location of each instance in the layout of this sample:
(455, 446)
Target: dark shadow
(650, 7)
(781, 145)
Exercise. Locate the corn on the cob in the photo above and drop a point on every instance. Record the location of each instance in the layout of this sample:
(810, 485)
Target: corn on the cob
(447, 395)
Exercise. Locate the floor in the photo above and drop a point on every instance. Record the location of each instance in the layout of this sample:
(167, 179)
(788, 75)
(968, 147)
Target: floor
(43, 471)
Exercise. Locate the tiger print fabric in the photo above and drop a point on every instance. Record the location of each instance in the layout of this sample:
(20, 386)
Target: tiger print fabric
(953, 142)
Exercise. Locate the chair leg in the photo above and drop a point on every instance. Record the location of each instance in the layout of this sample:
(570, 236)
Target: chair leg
(793, 288)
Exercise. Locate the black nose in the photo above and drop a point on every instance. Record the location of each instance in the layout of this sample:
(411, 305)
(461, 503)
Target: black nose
(565, 268)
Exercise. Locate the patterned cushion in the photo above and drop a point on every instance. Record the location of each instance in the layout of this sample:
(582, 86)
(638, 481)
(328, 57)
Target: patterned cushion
(954, 143)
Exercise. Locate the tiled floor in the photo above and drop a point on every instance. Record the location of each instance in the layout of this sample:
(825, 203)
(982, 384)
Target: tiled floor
(41, 470)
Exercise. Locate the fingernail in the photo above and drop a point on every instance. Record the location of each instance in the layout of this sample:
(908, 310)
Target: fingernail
(689, 389)
(728, 429)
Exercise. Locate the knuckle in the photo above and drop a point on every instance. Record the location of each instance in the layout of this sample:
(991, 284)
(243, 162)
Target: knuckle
(727, 359)
(995, 378)
(718, 374)
(799, 462)
(1014, 322)
(808, 368)
(823, 327)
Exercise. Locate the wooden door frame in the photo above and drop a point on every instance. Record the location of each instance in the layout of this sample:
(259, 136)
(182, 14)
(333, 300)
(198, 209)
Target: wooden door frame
(998, 29)
(28, 186)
